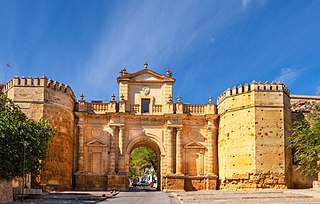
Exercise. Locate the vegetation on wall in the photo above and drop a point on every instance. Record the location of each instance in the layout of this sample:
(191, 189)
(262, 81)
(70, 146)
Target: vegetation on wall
(142, 160)
(21, 139)
(305, 141)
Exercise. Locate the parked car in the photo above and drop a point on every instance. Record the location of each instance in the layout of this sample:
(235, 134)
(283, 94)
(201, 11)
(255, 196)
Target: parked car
(144, 183)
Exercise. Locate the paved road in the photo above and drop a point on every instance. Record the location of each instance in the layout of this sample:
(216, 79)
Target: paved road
(291, 196)
(146, 197)
(71, 197)
(137, 195)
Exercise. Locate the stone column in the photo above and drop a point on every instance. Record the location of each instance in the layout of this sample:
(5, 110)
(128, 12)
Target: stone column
(170, 150)
(121, 150)
(210, 151)
(116, 150)
(112, 152)
(81, 146)
(178, 151)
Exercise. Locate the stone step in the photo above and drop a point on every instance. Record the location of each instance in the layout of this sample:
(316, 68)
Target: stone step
(257, 201)
(226, 192)
(261, 196)
(242, 197)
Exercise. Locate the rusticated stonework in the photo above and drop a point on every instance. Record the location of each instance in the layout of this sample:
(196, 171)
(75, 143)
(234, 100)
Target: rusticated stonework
(241, 143)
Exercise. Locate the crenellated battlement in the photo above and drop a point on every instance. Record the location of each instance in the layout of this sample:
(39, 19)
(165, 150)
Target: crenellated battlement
(37, 82)
(254, 86)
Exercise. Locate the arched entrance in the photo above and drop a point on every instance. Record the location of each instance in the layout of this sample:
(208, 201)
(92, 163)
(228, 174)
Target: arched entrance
(152, 143)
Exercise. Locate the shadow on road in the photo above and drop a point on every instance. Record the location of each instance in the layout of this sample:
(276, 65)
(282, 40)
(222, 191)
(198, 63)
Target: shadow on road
(142, 189)
(52, 198)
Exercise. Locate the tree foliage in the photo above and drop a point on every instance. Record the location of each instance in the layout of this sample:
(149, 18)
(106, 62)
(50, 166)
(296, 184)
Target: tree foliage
(142, 159)
(305, 141)
(15, 128)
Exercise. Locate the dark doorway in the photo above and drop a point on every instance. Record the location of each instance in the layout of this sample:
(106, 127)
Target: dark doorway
(145, 105)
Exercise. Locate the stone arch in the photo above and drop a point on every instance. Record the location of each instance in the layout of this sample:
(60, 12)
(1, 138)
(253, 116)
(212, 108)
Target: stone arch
(155, 145)
(144, 140)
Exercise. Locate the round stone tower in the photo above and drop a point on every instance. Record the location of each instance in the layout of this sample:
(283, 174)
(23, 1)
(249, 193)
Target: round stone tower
(252, 146)
(42, 98)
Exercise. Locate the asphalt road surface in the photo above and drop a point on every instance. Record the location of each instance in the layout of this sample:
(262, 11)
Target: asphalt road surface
(136, 195)
(142, 197)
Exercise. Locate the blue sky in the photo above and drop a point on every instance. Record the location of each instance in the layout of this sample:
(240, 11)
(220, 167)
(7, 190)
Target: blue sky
(209, 45)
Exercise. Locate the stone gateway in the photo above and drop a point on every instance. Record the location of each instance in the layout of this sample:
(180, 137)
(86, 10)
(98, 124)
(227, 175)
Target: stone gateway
(240, 143)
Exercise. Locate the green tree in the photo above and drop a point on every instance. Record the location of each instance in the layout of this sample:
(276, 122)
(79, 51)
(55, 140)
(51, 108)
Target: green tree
(15, 129)
(142, 159)
(305, 141)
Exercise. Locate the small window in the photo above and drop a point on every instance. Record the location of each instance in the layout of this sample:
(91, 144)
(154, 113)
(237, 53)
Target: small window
(145, 105)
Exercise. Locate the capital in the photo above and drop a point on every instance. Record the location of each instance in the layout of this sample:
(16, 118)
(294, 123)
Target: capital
(179, 129)
(170, 129)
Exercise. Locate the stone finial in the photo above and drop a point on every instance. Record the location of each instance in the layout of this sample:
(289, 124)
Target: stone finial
(179, 98)
(82, 97)
(146, 65)
(121, 72)
(124, 71)
(170, 98)
(113, 97)
(210, 99)
(168, 73)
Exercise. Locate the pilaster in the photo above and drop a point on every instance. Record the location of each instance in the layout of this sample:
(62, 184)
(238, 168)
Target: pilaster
(112, 155)
(81, 127)
(170, 150)
(178, 152)
(210, 161)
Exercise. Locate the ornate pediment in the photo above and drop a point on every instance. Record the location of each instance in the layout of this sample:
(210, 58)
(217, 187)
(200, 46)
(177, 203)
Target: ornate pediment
(146, 75)
(194, 145)
(96, 143)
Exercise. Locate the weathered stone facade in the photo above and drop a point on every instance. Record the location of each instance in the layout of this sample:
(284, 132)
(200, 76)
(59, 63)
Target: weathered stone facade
(254, 125)
(6, 195)
(239, 144)
(42, 98)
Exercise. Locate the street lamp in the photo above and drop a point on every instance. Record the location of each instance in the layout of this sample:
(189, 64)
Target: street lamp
(25, 144)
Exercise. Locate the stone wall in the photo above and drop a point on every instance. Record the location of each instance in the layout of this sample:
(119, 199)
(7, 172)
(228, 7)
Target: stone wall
(236, 141)
(89, 182)
(254, 181)
(42, 98)
(6, 195)
(58, 110)
(253, 130)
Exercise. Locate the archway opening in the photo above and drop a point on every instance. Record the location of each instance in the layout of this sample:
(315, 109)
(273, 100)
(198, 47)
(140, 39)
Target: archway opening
(144, 168)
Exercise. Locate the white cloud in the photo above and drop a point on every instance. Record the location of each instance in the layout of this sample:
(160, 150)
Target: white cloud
(245, 3)
(287, 75)
(155, 31)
